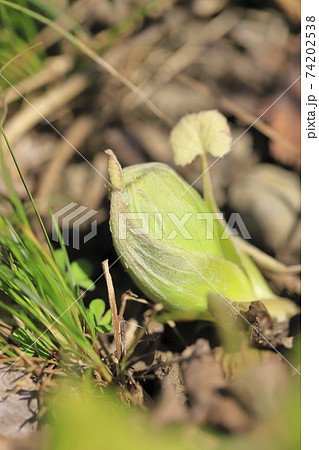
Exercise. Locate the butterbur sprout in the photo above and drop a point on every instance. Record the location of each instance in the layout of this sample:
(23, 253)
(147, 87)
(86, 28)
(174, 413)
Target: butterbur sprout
(170, 267)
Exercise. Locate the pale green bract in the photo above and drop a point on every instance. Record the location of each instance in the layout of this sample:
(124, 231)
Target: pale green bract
(171, 268)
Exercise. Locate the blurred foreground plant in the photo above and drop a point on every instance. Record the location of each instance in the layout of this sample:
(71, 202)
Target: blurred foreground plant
(82, 417)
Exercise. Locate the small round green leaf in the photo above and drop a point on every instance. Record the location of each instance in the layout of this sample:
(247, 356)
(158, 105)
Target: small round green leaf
(200, 133)
(97, 307)
(81, 270)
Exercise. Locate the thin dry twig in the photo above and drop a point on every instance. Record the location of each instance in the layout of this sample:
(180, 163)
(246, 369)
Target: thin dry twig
(184, 56)
(149, 316)
(260, 125)
(55, 68)
(46, 104)
(264, 260)
(113, 306)
(128, 295)
(77, 132)
(245, 116)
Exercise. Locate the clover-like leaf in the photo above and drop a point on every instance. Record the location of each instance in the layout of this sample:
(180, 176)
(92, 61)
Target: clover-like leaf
(105, 323)
(102, 322)
(97, 307)
(81, 270)
(200, 133)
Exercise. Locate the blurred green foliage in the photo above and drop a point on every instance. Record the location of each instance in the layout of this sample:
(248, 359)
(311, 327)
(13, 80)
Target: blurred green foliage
(17, 33)
(83, 418)
(40, 290)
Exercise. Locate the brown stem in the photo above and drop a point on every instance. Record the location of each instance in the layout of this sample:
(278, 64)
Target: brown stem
(115, 319)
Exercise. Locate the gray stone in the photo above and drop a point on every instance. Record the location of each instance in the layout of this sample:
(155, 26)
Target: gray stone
(268, 199)
(17, 409)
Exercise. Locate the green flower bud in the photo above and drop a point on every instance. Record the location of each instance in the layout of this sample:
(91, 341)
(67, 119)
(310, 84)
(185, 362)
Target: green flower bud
(171, 244)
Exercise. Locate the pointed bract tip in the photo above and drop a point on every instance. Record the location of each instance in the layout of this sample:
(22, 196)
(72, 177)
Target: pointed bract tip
(115, 171)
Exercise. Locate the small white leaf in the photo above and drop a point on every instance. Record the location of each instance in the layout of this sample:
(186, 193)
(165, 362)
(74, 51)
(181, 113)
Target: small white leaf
(196, 134)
